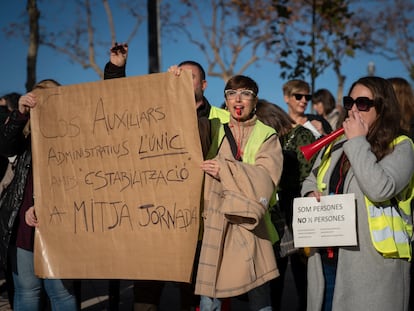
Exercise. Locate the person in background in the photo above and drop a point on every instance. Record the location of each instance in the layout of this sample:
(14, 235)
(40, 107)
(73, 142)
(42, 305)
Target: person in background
(296, 94)
(405, 96)
(242, 172)
(205, 111)
(324, 104)
(17, 233)
(295, 169)
(375, 162)
(8, 103)
(115, 68)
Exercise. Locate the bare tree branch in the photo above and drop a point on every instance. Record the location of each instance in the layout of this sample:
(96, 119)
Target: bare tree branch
(77, 41)
(110, 20)
(230, 40)
(91, 47)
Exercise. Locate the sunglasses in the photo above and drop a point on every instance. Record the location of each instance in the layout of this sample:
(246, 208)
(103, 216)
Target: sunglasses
(362, 103)
(299, 96)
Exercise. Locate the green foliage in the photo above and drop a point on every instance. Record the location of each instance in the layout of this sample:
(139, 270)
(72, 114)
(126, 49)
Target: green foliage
(325, 40)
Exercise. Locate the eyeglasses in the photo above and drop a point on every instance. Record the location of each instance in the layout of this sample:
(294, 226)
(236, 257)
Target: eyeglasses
(244, 94)
(362, 103)
(300, 96)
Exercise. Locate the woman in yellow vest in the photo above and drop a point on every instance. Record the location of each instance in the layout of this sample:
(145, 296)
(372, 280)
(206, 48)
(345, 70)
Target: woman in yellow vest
(241, 177)
(374, 161)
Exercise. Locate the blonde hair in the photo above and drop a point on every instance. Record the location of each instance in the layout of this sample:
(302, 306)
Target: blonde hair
(294, 86)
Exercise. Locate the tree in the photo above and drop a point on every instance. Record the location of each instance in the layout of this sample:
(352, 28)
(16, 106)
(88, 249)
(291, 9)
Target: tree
(77, 39)
(327, 32)
(227, 31)
(74, 44)
(318, 34)
(394, 32)
(33, 13)
(153, 36)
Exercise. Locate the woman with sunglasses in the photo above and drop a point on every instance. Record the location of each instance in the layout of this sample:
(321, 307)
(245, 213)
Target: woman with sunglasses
(242, 171)
(296, 94)
(374, 161)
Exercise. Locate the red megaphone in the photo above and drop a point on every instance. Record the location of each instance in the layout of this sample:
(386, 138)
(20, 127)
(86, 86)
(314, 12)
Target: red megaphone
(309, 150)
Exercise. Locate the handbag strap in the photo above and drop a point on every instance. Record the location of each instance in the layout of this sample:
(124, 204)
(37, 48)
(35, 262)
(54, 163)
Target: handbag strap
(232, 141)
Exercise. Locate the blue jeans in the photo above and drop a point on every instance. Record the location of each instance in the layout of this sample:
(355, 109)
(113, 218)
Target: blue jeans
(28, 287)
(209, 304)
(259, 300)
(329, 272)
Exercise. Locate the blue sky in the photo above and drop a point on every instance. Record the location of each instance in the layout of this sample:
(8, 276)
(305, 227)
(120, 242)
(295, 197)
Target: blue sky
(57, 66)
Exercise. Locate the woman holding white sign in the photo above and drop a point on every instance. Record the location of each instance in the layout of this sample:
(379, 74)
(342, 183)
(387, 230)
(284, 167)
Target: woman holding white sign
(375, 161)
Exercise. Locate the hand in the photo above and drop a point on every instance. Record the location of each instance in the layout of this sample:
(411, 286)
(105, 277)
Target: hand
(354, 125)
(30, 217)
(26, 102)
(119, 54)
(175, 70)
(211, 167)
(315, 194)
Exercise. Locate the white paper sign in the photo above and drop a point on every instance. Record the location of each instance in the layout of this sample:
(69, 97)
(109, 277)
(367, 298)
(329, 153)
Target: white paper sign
(330, 222)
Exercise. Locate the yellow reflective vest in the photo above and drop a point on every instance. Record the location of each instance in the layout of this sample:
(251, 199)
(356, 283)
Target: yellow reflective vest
(390, 222)
(219, 113)
(259, 135)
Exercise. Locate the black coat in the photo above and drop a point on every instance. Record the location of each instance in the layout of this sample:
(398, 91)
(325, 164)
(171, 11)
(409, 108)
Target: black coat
(10, 203)
(13, 142)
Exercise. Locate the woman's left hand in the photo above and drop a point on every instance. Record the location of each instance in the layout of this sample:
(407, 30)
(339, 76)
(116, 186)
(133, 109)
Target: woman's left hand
(211, 167)
(30, 217)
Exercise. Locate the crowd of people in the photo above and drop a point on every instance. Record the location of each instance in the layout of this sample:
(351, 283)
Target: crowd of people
(253, 171)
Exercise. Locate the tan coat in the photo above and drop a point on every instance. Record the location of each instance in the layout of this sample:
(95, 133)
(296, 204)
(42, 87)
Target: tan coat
(236, 254)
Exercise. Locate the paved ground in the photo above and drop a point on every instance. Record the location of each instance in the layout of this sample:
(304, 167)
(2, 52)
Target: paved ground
(94, 297)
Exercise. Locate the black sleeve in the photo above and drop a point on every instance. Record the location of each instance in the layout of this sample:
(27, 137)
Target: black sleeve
(204, 129)
(327, 128)
(113, 71)
(12, 140)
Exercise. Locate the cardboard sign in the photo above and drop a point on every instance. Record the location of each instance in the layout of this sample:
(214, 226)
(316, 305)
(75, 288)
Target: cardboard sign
(117, 179)
(330, 222)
